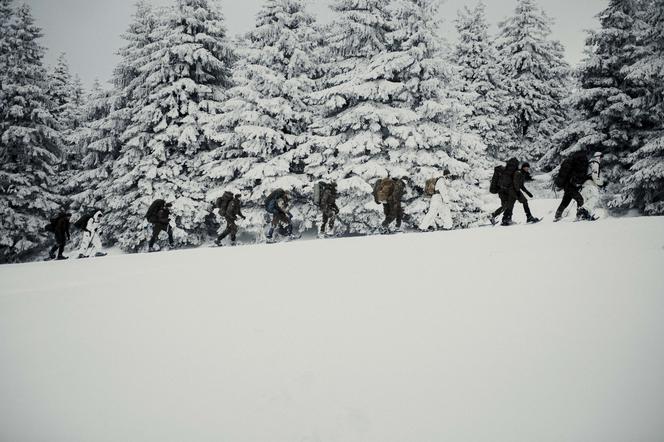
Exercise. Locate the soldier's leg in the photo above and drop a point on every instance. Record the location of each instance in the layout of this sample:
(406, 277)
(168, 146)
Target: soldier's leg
(526, 208)
(233, 230)
(324, 223)
(156, 229)
(85, 244)
(567, 198)
(399, 214)
(169, 230)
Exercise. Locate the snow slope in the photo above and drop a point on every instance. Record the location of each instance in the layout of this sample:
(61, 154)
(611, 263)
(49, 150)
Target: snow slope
(552, 332)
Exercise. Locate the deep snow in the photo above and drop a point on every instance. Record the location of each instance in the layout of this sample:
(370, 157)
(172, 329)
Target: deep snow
(551, 332)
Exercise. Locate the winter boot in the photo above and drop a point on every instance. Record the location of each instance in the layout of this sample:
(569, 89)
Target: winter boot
(492, 219)
(100, 254)
(507, 222)
(583, 215)
(533, 220)
(62, 258)
(81, 256)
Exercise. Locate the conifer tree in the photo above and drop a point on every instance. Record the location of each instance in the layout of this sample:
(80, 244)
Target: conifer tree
(439, 138)
(267, 114)
(186, 71)
(362, 126)
(29, 143)
(537, 79)
(644, 184)
(610, 122)
(481, 76)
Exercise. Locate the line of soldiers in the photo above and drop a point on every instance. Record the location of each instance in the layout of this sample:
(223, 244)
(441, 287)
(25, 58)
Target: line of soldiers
(577, 175)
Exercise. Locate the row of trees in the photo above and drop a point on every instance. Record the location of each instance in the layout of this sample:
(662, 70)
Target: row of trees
(192, 112)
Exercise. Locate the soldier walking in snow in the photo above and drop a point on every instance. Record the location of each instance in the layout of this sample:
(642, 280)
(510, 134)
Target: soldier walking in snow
(590, 189)
(60, 227)
(328, 205)
(439, 214)
(159, 216)
(572, 175)
(276, 205)
(520, 177)
(90, 243)
(388, 192)
(230, 207)
(502, 183)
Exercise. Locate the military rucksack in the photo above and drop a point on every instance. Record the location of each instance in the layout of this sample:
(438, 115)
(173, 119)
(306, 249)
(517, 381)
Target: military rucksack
(505, 179)
(494, 187)
(430, 186)
(383, 189)
(271, 201)
(573, 169)
(82, 223)
(50, 227)
(223, 201)
(319, 189)
(153, 210)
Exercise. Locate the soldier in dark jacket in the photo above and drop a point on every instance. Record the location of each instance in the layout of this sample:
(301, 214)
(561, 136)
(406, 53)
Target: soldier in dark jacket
(392, 208)
(571, 183)
(520, 177)
(62, 235)
(328, 205)
(281, 216)
(162, 223)
(233, 211)
(507, 193)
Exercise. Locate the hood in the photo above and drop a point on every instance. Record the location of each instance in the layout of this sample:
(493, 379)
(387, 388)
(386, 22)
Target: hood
(512, 164)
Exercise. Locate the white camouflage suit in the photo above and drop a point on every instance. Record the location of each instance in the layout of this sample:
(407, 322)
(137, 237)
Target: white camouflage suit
(439, 214)
(91, 244)
(590, 189)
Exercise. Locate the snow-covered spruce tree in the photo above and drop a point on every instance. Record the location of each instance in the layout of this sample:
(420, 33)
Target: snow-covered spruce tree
(6, 16)
(439, 138)
(481, 76)
(108, 113)
(95, 142)
(29, 145)
(363, 124)
(187, 70)
(62, 95)
(609, 122)
(266, 115)
(644, 184)
(536, 78)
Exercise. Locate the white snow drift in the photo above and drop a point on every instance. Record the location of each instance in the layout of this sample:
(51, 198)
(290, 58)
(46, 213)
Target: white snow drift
(552, 332)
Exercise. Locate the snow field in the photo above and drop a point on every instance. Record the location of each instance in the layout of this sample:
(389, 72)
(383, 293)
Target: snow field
(550, 332)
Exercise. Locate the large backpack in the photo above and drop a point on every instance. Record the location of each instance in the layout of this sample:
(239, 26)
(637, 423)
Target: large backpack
(82, 223)
(506, 179)
(223, 201)
(271, 201)
(495, 179)
(383, 189)
(50, 227)
(430, 186)
(573, 169)
(319, 189)
(151, 214)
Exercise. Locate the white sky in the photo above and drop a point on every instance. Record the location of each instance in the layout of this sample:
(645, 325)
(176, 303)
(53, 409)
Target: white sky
(89, 30)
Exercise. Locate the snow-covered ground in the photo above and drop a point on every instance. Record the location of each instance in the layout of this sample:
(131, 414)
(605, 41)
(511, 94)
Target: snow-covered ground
(551, 332)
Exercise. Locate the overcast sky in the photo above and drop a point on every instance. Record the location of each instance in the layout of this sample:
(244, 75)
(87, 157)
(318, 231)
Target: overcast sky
(89, 30)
